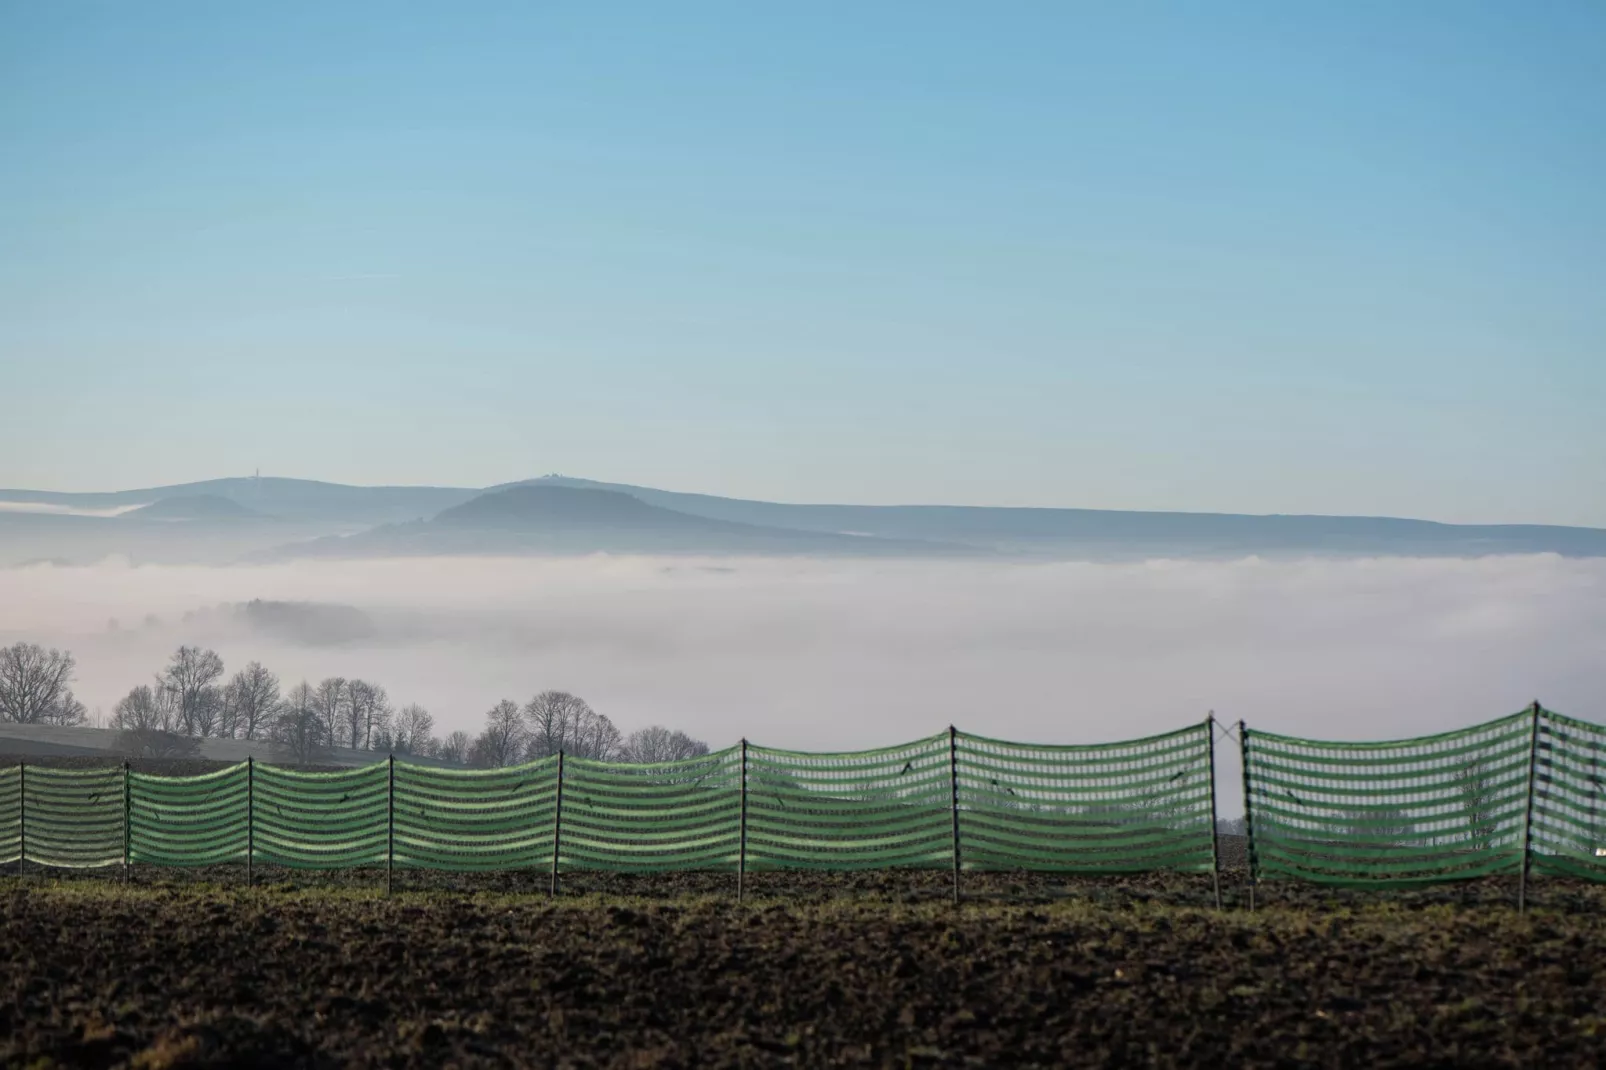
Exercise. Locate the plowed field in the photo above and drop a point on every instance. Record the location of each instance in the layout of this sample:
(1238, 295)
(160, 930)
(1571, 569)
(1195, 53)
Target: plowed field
(191, 973)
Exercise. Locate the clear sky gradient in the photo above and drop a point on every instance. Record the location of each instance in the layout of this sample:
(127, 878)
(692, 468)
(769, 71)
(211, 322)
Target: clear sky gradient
(1339, 258)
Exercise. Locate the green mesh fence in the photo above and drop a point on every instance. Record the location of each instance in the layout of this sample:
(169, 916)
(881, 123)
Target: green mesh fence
(644, 818)
(321, 820)
(858, 810)
(1435, 808)
(73, 819)
(190, 820)
(1121, 807)
(10, 814)
(1569, 822)
(470, 820)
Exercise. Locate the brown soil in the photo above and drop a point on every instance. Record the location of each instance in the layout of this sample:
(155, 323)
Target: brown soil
(843, 972)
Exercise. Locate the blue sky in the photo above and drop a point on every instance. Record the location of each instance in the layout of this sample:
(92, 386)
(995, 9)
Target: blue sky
(1339, 258)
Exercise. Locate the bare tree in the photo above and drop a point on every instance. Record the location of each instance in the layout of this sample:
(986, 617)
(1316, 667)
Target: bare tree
(145, 708)
(659, 744)
(367, 708)
(191, 678)
(503, 741)
(594, 736)
(455, 747)
(411, 730)
(376, 719)
(148, 721)
(550, 714)
(250, 701)
(560, 721)
(33, 686)
(329, 700)
(226, 722)
(298, 728)
(206, 718)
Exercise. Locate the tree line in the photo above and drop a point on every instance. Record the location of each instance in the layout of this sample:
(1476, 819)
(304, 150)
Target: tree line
(192, 699)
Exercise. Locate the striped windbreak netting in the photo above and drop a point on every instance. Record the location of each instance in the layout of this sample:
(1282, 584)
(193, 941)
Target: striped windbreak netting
(852, 810)
(647, 817)
(1120, 807)
(1435, 808)
(1453, 806)
(475, 819)
(188, 820)
(321, 820)
(10, 814)
(73, 818)
(1569, 822)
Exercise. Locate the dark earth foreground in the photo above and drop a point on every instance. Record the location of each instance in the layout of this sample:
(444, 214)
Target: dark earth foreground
(187, 973)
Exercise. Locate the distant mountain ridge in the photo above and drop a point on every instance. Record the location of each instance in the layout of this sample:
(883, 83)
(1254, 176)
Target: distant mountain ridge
(556, 519)
(277, 496)
(1112, 531)
(441, 519)
(532, 504)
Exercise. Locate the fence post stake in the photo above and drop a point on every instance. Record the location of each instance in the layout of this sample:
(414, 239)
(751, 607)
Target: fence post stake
(953, 785)
(1528, 812)
(1249, 814)
(390, 827)
(741, 850)
(1215, 841)
(250, 818)
(128, 808)
(557, 828)
(22, 818)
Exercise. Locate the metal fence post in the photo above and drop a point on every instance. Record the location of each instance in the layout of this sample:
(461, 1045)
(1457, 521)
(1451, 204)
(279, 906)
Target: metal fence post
(557, 828)
(1249, 813)
(250, 818)
(741, 850)
(127, 811)
(390, 827)
(22, 818)
(953, 785)
(1215, 839)
(1528, 812)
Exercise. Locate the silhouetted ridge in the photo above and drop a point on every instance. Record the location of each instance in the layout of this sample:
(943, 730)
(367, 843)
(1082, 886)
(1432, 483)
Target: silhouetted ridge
(559, 514)
(548, 519)
(532, 507)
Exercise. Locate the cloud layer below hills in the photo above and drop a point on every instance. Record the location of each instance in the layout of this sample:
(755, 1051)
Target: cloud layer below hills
(837, 655)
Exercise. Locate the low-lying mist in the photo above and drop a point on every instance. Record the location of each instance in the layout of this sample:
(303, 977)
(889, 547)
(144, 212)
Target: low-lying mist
(839, 655)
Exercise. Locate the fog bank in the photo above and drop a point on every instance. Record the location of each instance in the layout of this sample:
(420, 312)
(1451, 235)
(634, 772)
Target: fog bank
(839, 655)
